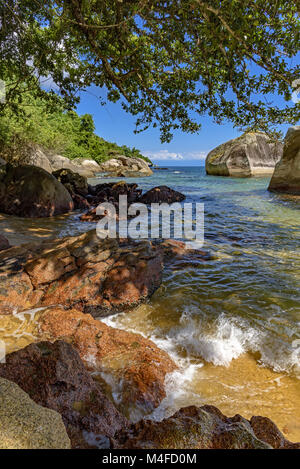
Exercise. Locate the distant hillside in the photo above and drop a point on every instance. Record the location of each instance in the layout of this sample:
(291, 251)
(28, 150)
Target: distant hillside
(64, 132)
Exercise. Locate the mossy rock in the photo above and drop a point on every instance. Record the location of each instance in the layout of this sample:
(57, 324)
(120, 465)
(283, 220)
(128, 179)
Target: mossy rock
(25, 424)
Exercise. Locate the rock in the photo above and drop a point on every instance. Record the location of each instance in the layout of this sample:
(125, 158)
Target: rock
(77, 166)
(126, 167)
(75, 183)
(25, 424)
(87, 165)
(286, 177)
(267, 431)
(80, 202)
(198, 428)
(97, 276)
(251, 154)
(2, 162)
(53, 375)
(4, 243)
(134, 367)
(28, 191)
(110, 192)
(176, 253)
(161, 194)
(36, 156)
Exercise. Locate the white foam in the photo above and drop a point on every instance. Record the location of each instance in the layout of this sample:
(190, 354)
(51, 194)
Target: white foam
(94, 440)
(223, 340)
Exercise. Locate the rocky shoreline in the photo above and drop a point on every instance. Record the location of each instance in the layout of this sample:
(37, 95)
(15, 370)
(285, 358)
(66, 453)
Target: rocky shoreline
(99, 379)
(83, 383)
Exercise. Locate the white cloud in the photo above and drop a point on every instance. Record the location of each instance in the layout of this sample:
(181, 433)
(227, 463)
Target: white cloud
(167, 155)
(163, 155)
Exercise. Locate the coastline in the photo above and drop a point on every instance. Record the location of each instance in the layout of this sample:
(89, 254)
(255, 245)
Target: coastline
(199, 378)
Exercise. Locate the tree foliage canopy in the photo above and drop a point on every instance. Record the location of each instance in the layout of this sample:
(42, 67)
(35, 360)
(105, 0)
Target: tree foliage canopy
(169, 61)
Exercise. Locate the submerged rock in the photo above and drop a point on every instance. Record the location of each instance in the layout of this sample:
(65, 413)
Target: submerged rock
(251, 154)
(134, 367)
(177, 255)
(161, 194)
(126, 167)
(97, 276)
(25, 424)
(286, 177)
(28, 191)
(53, 375)
(202, 428)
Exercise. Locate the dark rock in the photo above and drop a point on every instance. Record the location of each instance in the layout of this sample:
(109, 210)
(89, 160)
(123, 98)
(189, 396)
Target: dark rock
(286, 177)
(4, 243)
(54, 377)
(80, 202)
(201, 428)
(75, 183)
(110, 192)
(161, 194)
(267, 431)
(29, 191)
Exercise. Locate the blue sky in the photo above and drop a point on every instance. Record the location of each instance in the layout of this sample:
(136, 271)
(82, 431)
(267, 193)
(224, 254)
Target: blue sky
(115, 125)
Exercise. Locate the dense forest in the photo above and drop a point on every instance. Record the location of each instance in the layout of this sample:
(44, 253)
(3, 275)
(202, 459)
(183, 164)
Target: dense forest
(55, 129)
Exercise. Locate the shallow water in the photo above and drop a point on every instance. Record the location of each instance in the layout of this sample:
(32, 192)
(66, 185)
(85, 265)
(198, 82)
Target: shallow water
(232, 323)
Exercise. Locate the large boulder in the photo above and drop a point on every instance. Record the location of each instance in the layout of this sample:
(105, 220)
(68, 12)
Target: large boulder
(53, 375)
(86, 168)
(286, 177)
(97, 276)
(29, 191)
(123, 166)
(161, 194)
(25, 424)
(251, 154)
(203, 428)
(134, 367)
(36, 156)
(90, 166)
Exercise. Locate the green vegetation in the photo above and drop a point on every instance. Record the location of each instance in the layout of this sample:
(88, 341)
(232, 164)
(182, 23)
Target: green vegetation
(56, 129)
(168, 62)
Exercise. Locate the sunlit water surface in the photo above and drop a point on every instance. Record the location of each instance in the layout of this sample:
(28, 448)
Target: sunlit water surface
(231, 323)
